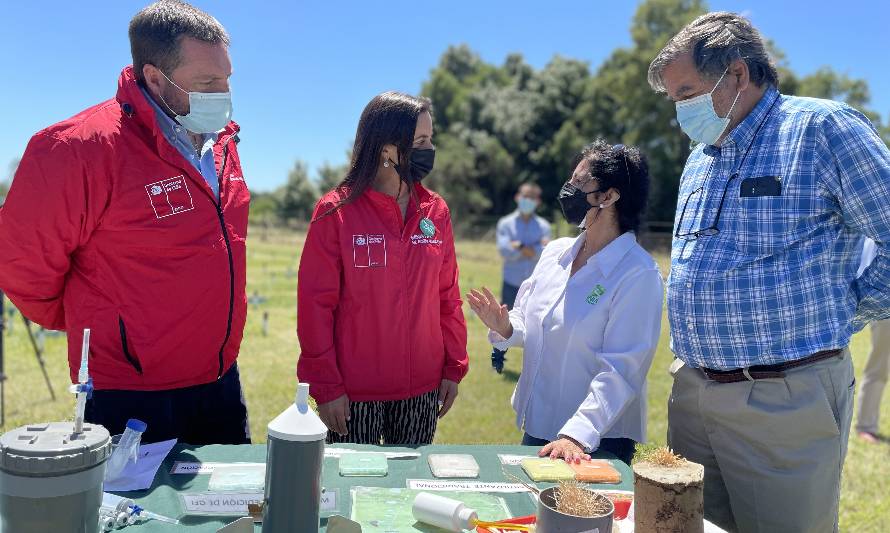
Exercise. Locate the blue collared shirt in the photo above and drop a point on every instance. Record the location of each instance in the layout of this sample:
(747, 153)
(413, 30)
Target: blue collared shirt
(178, 136)
(778, 282)
(534, 232)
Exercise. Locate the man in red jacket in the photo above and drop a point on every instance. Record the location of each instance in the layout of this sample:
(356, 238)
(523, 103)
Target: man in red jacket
(130, 219)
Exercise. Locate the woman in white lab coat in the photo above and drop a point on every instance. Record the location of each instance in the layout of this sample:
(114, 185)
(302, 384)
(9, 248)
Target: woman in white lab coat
(588, 318)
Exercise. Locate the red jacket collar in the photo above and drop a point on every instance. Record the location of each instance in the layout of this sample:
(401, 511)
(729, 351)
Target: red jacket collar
(424, 196)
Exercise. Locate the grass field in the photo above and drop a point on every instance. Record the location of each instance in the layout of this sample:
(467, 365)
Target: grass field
(482, 413)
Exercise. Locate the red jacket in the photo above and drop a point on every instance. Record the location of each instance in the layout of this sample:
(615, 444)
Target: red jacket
(108, 227)
(378, 306)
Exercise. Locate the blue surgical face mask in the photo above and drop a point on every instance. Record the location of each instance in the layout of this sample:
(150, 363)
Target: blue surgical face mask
(526, 205)
(699, 120)
(208, 112)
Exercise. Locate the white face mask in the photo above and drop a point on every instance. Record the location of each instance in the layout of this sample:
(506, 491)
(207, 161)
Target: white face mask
(208, 112)
(699, 120)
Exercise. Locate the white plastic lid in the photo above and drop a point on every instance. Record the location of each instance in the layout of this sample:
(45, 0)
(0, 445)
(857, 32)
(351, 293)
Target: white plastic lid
(51, 449)
(298, 422)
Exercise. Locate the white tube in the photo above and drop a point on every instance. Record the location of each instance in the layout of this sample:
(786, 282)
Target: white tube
(79, 412)
(160, 518)
(144, 515)
(448, 514)
(83, 376)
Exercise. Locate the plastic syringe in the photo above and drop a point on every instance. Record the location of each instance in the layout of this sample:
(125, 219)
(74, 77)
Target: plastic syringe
(118, 504)
(84, 386)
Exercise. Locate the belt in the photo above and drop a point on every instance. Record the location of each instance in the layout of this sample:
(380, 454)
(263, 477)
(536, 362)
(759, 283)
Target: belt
(767, 371)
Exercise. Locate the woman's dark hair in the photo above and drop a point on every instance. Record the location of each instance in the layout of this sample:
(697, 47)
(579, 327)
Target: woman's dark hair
(623, 168)
(389, 118)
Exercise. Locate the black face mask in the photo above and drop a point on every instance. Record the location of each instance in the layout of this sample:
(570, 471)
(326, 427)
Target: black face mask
(574, 204)
(420, 163)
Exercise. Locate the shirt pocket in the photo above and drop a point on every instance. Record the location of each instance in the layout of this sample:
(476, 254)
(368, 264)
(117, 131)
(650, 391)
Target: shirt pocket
(761, 224)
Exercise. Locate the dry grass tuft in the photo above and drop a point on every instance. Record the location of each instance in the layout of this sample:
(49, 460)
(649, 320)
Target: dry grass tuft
(572, 498)
(663, 456)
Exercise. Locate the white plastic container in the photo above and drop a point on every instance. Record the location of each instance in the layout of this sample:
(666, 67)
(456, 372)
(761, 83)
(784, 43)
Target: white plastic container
(125, 449)
(294, 458)
(51, 478)
(448, 514)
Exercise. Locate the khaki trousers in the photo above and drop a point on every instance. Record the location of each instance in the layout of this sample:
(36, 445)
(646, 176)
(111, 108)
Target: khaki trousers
(773, 449)
(874, 378)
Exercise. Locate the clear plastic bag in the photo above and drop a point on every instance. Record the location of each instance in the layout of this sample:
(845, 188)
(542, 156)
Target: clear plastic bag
(453, 465)
(363, 464)
(547, 470)
(247, 477)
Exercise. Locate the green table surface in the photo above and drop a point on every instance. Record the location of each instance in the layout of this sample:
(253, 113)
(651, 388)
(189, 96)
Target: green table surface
(162, 497)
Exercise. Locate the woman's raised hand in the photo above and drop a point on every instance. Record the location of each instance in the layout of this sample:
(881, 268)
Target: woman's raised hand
(490, 311)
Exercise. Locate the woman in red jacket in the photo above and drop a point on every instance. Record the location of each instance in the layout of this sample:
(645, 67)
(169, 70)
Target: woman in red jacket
(382, 333)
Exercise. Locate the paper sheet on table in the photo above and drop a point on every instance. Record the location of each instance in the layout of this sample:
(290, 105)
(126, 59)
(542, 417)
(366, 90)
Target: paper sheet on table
(385, 510)
(141, 474)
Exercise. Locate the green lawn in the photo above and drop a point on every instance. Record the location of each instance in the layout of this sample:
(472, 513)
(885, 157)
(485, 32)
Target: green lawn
(482, 413)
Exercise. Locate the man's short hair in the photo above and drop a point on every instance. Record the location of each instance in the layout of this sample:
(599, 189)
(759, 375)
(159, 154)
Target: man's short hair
(715, 41)
(156, 34)
(530, 185)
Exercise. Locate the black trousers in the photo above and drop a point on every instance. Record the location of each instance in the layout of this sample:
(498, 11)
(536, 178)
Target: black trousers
(213, 413)
(622, 448)
(400, 422)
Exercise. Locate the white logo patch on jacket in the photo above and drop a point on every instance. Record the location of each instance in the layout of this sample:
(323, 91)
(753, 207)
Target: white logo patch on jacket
(170, 196)
(369, 250)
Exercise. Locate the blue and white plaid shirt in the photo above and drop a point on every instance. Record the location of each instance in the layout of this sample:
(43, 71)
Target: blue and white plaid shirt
(778, 282)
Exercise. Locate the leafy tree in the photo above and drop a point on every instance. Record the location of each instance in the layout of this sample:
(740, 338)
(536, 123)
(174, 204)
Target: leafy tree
(621, 107)
(500, 125)
(297, 197)
(263, 206)
(329, 176)
(4, 184)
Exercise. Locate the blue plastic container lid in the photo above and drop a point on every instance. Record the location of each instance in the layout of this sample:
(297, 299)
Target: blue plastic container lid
(136, 425)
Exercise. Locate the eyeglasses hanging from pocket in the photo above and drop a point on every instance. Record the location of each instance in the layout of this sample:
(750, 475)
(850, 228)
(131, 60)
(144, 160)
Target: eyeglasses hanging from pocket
(702, 231)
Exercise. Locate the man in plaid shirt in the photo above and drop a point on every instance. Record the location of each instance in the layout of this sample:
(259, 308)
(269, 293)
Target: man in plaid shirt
(762, 295)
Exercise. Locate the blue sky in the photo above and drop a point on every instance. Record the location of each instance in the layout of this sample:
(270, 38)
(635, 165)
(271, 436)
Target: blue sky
(305, 69)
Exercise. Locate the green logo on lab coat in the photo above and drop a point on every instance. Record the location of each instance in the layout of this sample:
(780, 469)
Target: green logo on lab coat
(595, 294)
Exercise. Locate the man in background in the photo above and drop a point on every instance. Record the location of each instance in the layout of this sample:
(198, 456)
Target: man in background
(521, 236)
(877, 367)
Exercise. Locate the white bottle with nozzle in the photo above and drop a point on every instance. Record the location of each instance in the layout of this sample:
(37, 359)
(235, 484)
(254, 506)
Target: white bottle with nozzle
(448, 514)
